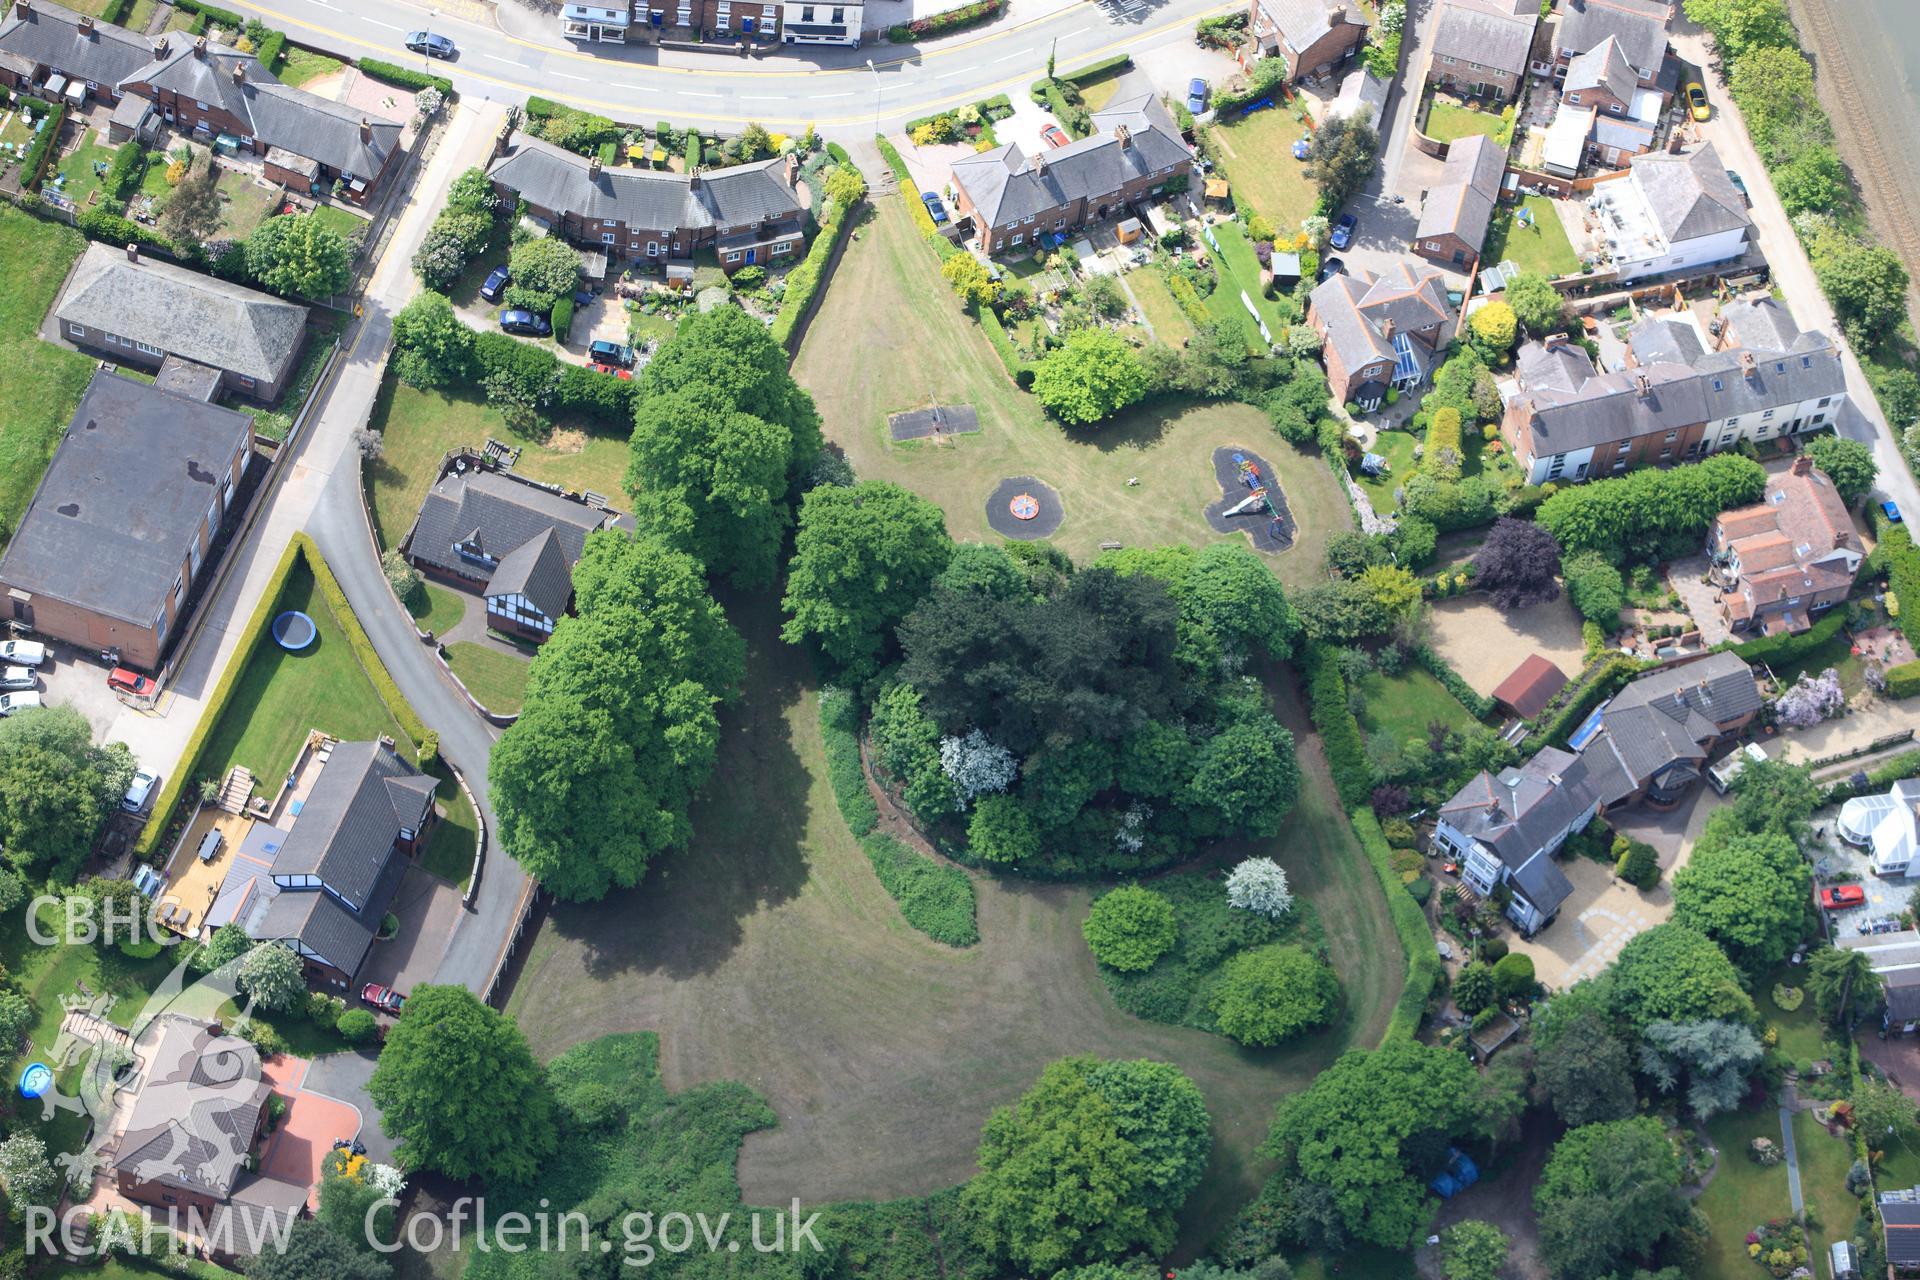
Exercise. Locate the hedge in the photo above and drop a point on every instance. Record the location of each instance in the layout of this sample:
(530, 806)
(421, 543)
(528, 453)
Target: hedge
(1902, 559)
(1075, 119)
(115, 11)
(1903, 681)
(271, 48)
(219, 17)
(405, 77)
(1409, 921)
(694, 153)
(804, 280)
(935, 898)
(124, 174)
(539, 108)
(1791, 648)
(397, 704)
(1613, 672)
(1021, 371)
(100, 224)
(34, 165)
(216, 704)
(562, 317)
(1438, 667)
(1093, 71)
(840, 731)
(1339, 732)
(839, 153)
(892, 157)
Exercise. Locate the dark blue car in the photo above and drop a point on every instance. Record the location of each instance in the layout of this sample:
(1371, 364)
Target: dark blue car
(496, 283)
(525, 323)
(936, 208)
(1343, 231)
(1196, 95)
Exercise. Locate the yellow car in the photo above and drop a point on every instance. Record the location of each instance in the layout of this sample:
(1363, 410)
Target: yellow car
(1697, 101)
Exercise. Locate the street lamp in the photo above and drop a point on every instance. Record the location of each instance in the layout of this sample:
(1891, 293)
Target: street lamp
(876, 96)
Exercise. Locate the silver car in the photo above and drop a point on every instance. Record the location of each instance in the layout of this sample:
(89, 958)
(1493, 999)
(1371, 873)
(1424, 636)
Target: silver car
(18, 678)
(22, 701)
(139, 791)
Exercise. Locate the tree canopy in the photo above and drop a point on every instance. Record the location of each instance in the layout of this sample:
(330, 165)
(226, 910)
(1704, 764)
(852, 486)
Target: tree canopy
(1867, 284)
(1848, 463)
(56, 788)
(1747, 892)
(314, 1249)
(1342, 158)
(1129, 928)
(297, 253)
(546, 266)
(620, 725)
(1608, 1195)
(712, 481)
(1517, 564)
(1270, 994)
(1536, 303)
(1633, 516)
(1674, 973)
(1089, 378)
(1580, 1063)
(730, 354)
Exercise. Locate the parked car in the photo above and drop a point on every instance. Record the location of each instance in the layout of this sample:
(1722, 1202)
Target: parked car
(1196, 95)
(1837, 896)
(23, 653)
(936, 208)
(382, 997)
(625, 375)
(1343, 231)
(431, 43)
(131, 683)
(139, 791)
(525, 323)
(1741, 187)
(22, 701)
(1054, 136)
(1331, 267)
(1697, 101)
(496, 284)
(18, 678)
(600, 351)
(1887, 509)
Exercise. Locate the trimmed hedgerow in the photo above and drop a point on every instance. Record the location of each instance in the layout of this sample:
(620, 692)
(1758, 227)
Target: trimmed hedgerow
(1340, 733)
(1440, 669)
(840, 730)
(934, 897)
(804, 280)
(1409, 921)
(357, 639)
(404, 77)
(1786, 648)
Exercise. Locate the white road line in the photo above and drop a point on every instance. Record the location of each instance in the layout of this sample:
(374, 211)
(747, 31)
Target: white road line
(1010, 57)
(505, 62)
(689, 93)
(561, 75)
(375, 22)
(826, 97)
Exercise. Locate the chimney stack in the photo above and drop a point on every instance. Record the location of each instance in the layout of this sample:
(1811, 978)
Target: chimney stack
(1040, 164)
(1839, 539)
(1645, 387)
(1802, 465)
(1747, 365)
(1124, 135)
(1554, 341)
(133, 252)
(1386, 329)
(593, 168)
(693, 182)
(239, 72)
(161, 47)
(200, 47)
(86, 24)
(366, 130)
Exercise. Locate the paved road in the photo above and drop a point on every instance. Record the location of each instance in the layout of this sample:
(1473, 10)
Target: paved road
(507, 58)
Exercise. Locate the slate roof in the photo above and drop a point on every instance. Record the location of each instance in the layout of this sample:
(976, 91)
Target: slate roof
(324, 925)
(1301, 22)
(1516, 813)
(1666, 340)
(197, 317)
(364, 796)
(554, 178)
(1005, 185)
(50, 36)
(539, 570)
(1902, 1217)
(1531, 686)
(1360, 89)
(497, 514)
(1462, 205)
(193, 1121)
(1355, 308)
(1556, 370)
(1669, 715)
(1689, 194)
(1639, 25)
(1485, 32)
(1604, 66)
(111, 525)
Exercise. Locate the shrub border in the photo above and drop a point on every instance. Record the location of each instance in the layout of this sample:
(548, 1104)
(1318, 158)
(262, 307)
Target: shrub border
(1410, 922)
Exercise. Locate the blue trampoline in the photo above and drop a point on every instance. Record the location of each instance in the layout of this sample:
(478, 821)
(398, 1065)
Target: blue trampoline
(294, 630)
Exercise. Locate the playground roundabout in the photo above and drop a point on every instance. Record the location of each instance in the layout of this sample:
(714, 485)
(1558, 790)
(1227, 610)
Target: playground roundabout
(1024, 509)
(1251, 500)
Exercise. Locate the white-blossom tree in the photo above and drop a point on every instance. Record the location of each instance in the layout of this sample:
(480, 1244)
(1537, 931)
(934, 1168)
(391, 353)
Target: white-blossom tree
(24, 1169)
(1260, 884)
(1810, 700)
(386, 1179)
(271, 974)
(977, 765)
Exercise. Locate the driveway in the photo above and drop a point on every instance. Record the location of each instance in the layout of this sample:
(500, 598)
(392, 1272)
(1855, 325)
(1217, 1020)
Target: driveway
(295, 1151)
(73, 677)
(429, 910)
(343, 1077)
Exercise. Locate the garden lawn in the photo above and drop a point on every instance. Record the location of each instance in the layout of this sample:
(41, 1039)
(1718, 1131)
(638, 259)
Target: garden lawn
(419, 427)
(351, 225)
(1742, 1195)
(1824, 1161)
(39, 383)
(449, 851)
(1397, 448)
(248, 203)
(436, 608)
(1542, 247)
(1403, 706)
(83, 181)
(302, 65)
(1836, 653)
(1170, 323)
(1256, 154)
(1802, 1037)
(886, 295)
(1446, 123)
(498, 679)
(282, 695)
(1239, 272)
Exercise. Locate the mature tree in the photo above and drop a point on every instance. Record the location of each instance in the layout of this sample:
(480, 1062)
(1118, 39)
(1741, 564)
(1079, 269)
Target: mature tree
(547, 266)
(1232, 608)
(1848, 463)
(432, 347)
(1259, 885)
(1090, 1164)
(1843, 984)
(1714, 1059)
(194, 212)
(1884, 1114)
(1768, 796)
(1245, 778)
(1513, 976)
(728, 352)
(620, 726)
(1130, 928)
(1536, 304)
(984, 569)
(25, 1173)
(314, 1249)
(1370, 1127)
(297, 253)
(1581, 1064)
(347, 1196)
(864, 555)
(1868, 286)
(1739, 27)
(1093, 376)
(968, 278)
(1472, 1250)
(1344, 152)
(711, 480)
(1774, 88)
(1341, 612)
(1396, 591)
(1517, 564)
(906, 744)
(1748, 893)
(1596, 588)
(1272, 993)
(1495, 326)
(1674, 973)
(56, 788)
(1473, 989)
(1814, 180)
(272, 975)
(16, 1018)
(460, 1090)
(1414, 541)
(1351, 553)
(1608, 1195)
(229, 943)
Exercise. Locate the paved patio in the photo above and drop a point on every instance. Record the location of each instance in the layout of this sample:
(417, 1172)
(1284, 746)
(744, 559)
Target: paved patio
(295, 1151)
(1701, 599)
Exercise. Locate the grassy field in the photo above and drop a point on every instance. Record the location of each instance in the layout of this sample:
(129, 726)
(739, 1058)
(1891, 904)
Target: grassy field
(248, 203)
(281, 695)
(449, 851)
(1170, 323)
(1397, 448)
(886, 296)
(39, 382)
(1742, 1194)
(1824, 1161)
(301, 66)
(1257, 156)
(419, 427)
(498, 679)
(1446, 122)
(1403, 706)
(767, 952)
(1542, 247)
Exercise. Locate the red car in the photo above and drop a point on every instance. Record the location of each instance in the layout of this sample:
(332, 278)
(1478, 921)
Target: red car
(625, 375)
(1054, 136)
(131, 683)
(382, 997)
(1842, 895)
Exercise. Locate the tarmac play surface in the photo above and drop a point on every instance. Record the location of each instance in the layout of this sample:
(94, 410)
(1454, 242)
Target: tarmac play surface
(1031, 496)
(1270, 533)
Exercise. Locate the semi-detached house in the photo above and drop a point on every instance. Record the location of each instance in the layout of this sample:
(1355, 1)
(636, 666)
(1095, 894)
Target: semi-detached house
(1016, 201)
(1481, 47)
(747, 214)
(1638, 27)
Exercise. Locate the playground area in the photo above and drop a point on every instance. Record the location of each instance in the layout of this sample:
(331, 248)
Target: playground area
(934, 423)
(1252, 501)
(1024, 509)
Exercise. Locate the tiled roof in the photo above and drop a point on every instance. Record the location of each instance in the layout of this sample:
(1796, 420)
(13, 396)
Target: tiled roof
(1604, 66)
(554, 178)
(1670, 714)
(1356, 308)
(495, 514)
(1462, 205)
(1689, 193)
(1531, 686)
(1487, 33)
(539, 570)
(365, 795)
(1302, 22)
(1004, 185)
(1797, 539)
(1517, 812)
(193, 1120)
(1639, 25)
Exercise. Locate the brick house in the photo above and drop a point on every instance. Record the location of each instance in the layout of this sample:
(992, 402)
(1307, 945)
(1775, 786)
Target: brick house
(1017, 201)
(1788, 557)
(1314, 37)
(747, 214)
(1637, 27)
(1454, 218)
(1480, 47)
(1380, 333)
(124, 521)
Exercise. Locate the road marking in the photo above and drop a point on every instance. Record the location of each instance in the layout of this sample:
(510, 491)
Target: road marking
(506, 62)
(375, 22)
(561, 75)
